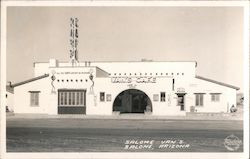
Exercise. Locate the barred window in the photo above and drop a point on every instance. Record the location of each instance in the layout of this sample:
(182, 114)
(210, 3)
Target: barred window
(72, 97)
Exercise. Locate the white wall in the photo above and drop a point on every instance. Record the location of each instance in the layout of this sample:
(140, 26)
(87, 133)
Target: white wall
(187, 83)
(159, 68)
(158, 107)
(188, 68)
(227, 96)
(22, 97)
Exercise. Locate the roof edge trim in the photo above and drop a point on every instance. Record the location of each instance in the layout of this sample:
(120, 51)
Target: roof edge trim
(30, 80)
(217, 82)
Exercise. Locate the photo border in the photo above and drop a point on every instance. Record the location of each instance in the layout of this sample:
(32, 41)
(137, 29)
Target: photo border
(146, 155)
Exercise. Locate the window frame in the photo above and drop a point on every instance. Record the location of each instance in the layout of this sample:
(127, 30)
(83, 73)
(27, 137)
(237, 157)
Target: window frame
(108, 97)
(163, 96)
(67, 99)
(216, 97)
(34, 98)
(178, 100)
(102, 96)
(155, 97)
(200, 97)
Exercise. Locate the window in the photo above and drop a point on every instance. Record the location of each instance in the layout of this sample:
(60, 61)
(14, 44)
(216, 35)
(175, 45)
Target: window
(215, 97)
(163, 97)
(77, 98)
(108, 97)
(156, 97)
(34, 98)
(102, 96)
(61, 99)
(65, 98)
(82, 98)
(199, 98)
(71, 97)
(180, 100)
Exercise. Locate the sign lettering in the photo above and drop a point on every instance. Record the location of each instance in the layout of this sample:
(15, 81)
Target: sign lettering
(181, 90)
(72, 73)
(135, 79)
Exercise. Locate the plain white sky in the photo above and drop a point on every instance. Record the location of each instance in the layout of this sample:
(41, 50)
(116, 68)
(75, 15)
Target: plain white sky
(213, 36)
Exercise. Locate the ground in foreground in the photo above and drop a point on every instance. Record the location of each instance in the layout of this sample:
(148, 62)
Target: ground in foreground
(95, 135)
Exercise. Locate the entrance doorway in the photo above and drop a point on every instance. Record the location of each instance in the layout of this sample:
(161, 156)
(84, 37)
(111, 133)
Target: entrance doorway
(132, 101)
(181, 101)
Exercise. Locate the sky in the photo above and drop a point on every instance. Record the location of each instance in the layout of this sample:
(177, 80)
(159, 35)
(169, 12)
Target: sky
(212, 36)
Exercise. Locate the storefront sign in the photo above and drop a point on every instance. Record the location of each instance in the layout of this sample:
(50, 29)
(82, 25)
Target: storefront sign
(180, 90)
(66, 73)
(132, 86)
(133, 79)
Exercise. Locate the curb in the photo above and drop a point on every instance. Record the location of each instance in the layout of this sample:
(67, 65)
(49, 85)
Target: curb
(120, 117)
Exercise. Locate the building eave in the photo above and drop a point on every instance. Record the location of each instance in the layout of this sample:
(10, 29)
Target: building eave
(217, 82)
(9, 89)
(30, 80)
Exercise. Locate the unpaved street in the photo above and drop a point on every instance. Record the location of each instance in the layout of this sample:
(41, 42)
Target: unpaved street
(96, 135)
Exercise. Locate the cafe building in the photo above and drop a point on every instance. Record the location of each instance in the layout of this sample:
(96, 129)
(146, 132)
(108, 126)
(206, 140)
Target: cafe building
(115, 88)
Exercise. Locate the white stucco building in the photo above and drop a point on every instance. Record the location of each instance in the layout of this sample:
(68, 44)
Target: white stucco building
(106, 88)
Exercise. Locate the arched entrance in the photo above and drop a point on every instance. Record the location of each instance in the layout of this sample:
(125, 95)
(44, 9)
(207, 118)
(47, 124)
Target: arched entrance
(132, 101)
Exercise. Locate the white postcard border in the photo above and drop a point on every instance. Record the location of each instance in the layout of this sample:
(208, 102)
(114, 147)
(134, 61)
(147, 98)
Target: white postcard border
(244, 4)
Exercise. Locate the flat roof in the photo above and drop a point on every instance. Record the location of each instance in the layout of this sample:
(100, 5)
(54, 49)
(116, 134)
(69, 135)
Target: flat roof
(117, 61)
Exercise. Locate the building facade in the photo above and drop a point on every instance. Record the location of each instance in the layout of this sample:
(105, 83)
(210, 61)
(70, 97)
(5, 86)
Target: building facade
(108, 88)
